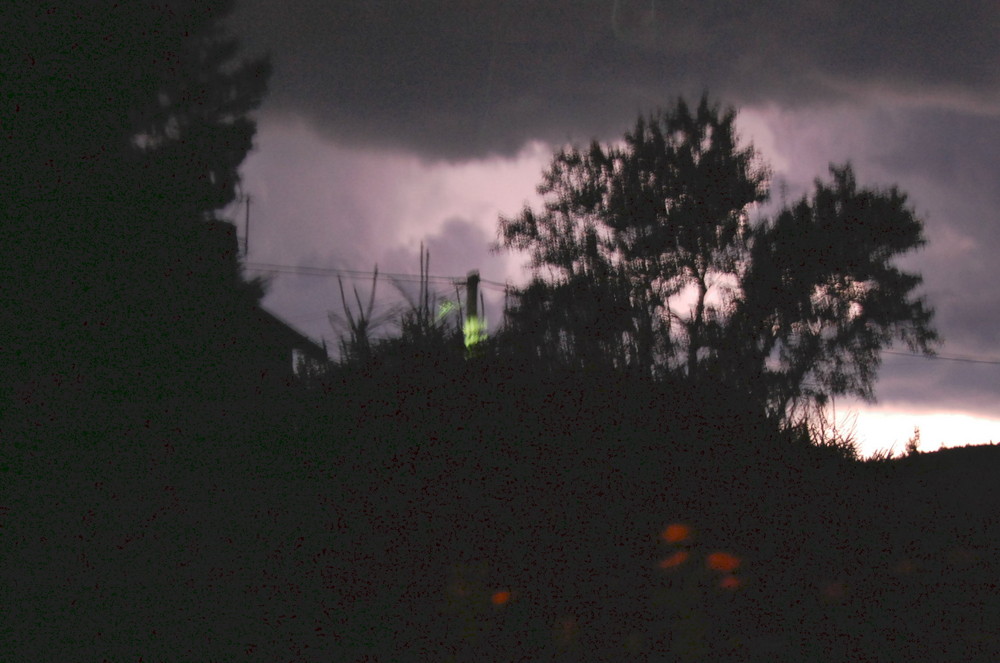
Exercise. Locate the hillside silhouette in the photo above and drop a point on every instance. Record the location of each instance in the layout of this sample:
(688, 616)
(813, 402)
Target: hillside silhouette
(461, 511)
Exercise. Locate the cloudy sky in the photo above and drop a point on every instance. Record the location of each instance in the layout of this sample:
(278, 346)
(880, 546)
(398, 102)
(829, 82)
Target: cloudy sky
(396, 122)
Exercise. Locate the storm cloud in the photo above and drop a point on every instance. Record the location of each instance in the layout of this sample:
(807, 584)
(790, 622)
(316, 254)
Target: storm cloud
(459, 80)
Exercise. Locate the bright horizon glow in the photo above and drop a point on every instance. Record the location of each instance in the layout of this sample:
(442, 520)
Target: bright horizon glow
(878, 430)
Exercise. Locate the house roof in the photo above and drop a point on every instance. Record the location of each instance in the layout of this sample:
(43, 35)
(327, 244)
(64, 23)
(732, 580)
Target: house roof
(278, 331)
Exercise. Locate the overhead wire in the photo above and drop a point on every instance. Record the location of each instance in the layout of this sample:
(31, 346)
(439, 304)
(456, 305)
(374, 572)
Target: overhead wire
(460, 281)
(970, 360)
(347, 273)
(325, 272)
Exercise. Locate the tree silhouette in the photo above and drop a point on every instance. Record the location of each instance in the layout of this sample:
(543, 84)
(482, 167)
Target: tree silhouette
(644, 224)
(821, 297)
(653, 263)
(123, 128)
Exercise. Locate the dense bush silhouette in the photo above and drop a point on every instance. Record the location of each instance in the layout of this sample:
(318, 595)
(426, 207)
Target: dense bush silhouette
(380, 517)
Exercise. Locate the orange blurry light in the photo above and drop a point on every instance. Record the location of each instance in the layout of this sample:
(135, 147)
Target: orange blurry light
(676, 533)
(675, 560)
(730, 582)
(500, 598)
(721, 561)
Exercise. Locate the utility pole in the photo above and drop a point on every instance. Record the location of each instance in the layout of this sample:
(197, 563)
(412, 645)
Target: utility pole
(475, 326)
(472, 294)
(246, 229)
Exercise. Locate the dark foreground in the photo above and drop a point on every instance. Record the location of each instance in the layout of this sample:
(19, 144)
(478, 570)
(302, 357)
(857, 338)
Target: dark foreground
(473, 517)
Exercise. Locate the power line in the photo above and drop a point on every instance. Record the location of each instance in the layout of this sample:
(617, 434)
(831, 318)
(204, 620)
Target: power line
(358, 274)
(970, 360)
(494, 283)
(348, 273)
(461, 281)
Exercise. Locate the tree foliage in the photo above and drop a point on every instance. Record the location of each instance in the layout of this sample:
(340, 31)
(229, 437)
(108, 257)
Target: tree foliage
(123, 126)
(821, 296)
(645, 257)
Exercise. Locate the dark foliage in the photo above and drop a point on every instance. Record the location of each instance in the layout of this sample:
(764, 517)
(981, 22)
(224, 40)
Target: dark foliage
(647, 259)
(379, 516)
(122, 130)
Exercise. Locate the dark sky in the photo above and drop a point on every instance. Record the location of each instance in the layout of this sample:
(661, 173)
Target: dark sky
(468, 79)
(390, 123)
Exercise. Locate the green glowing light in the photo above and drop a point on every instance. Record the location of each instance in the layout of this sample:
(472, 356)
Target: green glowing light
(445, 308)
(475, 331)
